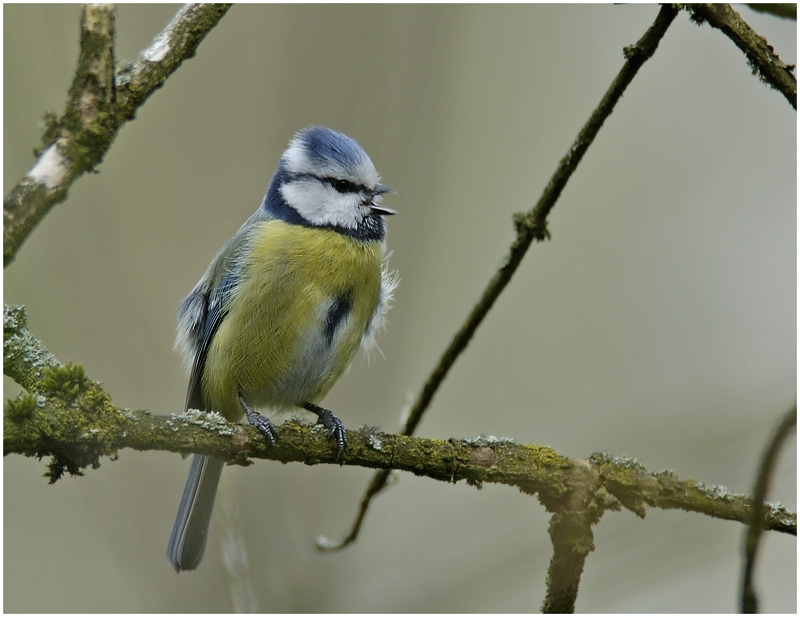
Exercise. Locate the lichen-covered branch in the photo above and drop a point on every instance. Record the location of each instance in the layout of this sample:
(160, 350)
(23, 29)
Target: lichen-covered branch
(760, 55)
(572, 537)
(74, 420)
(99, 102)
(636, 489)
(74, 143)
(24, 357)
(177, 42)
(68, 416)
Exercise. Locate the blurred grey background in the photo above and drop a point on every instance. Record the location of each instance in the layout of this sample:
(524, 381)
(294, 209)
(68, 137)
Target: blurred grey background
(659, 322)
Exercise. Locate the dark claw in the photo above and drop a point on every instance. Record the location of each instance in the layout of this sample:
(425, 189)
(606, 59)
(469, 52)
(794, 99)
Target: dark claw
(263, 424)
(333, 424)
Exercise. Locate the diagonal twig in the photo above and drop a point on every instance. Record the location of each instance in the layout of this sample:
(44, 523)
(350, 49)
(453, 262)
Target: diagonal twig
(530, 226)
(760, 55)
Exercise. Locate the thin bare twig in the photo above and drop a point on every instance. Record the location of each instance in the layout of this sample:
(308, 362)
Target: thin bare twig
(755, 529)
(760, 55)
(530, 226)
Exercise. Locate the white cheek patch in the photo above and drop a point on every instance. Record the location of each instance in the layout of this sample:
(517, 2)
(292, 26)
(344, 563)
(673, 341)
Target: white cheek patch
(321, 204)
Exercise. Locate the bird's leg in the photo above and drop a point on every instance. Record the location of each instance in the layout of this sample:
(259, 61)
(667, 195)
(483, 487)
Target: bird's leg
(332, 423)
(263, 424)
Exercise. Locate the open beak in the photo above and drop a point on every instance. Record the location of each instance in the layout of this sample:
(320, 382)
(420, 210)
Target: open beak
(380, 189)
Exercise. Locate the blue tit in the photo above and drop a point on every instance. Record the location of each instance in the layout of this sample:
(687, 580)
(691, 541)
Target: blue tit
(284, 306)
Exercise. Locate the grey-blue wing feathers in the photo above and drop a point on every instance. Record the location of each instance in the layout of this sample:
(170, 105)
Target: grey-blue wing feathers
(199, 316)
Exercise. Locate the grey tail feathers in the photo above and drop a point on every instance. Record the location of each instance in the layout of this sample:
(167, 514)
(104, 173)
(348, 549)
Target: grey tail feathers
(188, 539)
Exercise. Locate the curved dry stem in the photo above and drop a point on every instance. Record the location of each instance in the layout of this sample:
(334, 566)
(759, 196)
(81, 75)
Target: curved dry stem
(757, 524)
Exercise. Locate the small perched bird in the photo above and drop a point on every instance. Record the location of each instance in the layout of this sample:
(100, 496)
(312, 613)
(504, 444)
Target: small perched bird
(284, 306)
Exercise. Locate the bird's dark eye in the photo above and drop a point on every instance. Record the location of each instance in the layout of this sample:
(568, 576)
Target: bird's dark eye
(344, 186)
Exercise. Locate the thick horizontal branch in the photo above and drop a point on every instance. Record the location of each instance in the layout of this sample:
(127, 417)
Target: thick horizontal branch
(636, 488)
(89, 427)
(71, 419)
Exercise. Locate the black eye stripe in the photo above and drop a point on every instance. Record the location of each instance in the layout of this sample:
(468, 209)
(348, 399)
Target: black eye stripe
(341, 185)
(344, 186)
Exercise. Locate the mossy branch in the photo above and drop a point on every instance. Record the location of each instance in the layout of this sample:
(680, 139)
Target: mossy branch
(101, 99)
(72, 419)
(572, 537)
(68, 416)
